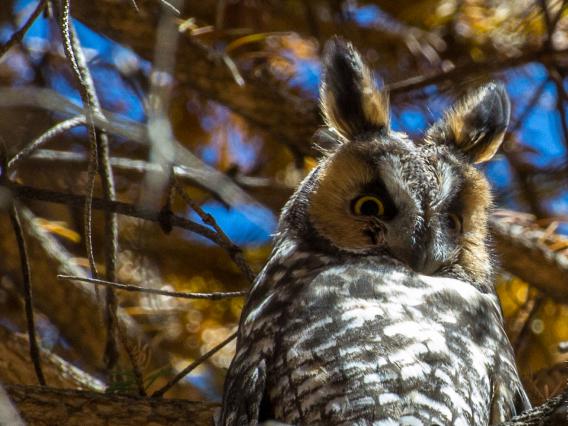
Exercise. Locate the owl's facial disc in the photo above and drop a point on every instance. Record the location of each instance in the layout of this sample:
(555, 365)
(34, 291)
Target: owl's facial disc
(343, 209)
(351, 205)
(399, 200)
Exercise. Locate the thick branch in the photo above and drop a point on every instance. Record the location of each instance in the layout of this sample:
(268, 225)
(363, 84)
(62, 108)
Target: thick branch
(48, 406)
(290, 118)
(531, 253)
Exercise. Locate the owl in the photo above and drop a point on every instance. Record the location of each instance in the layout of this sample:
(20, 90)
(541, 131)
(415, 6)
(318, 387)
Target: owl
(377, 306)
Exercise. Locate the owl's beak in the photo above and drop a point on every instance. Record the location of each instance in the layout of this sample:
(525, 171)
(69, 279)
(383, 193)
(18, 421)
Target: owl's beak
(419, 259)
(423, 263)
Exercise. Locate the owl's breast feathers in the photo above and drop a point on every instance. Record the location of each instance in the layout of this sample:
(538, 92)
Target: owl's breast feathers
(368, 342)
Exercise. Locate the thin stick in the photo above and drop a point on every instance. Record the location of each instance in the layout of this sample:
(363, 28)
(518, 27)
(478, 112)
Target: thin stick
(171, 7)
(91, 101)
(28, 300)
(561, 99)
(223, 240)
(19, 35)
(65, 28)
(59, 128)
(135, 288)
(418, 82)
(50, 196)
(529, 107)
(160, 392)
(111, 224)
(526, 185)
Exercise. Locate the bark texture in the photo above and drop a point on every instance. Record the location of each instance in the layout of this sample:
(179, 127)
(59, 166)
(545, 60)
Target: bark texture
(532, 253)
(46, 406)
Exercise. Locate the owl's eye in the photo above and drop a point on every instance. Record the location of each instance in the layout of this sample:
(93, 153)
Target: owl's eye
(454, 222)
(367, 205)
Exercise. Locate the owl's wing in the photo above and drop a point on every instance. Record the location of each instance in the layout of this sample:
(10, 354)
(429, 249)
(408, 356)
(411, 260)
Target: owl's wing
(244, 391)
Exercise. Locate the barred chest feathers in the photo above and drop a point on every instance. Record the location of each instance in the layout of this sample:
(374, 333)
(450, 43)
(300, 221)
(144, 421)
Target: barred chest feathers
(348, 348)
(377, 306)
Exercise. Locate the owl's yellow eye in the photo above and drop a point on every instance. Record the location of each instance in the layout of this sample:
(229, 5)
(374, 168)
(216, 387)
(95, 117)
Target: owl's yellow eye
(367, 205)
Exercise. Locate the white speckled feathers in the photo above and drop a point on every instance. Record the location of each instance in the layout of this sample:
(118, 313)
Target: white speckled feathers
(367, 343)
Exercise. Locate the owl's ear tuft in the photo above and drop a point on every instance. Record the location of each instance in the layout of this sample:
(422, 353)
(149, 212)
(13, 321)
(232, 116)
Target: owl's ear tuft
(476, 125)
(350, 100)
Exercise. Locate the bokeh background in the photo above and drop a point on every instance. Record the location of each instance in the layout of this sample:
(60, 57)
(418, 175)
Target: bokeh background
(241, 97)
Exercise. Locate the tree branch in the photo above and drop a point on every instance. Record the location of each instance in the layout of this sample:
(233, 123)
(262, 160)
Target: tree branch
(160, 392)
(290, 118)
(19, 35)
(526, 251)
(28, 299)
(135, 288)
(100, 149)
(82, 407)
(93, 409)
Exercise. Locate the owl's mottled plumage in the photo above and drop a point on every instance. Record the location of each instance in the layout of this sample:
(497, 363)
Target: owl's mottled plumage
(368, 316)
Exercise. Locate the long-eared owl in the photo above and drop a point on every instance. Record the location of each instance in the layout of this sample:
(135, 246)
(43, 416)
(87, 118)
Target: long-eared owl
(377, 305)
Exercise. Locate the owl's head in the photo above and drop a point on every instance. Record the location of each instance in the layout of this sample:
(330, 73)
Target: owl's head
(375, 191)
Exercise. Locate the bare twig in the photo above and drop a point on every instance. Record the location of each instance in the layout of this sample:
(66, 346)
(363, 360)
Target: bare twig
(135, 288)
(19, 35)
(31, 193)
(531, 104)
(28, 299)
(101, 149)
(160, 392)
(528, 191)
(140, 212)
(170, 6)
(223, 240)
(527, 186)
(45, 137)
(413, 83)
(131, 352)
(70, 52)
(561, 100)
